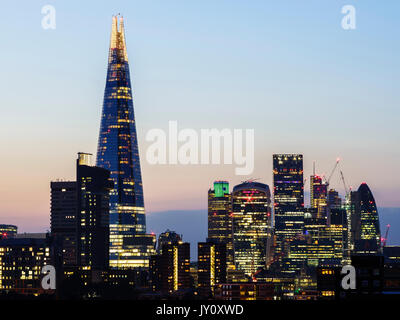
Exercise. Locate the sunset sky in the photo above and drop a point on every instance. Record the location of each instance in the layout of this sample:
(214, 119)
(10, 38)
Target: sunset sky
(286, 69)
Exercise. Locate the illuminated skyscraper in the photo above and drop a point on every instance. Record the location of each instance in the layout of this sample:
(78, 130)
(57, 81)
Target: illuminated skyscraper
(288, 199)
(318, 195)
(251, 225)
(8, 231)
(118, 152)
(220, 217)
(365, 221)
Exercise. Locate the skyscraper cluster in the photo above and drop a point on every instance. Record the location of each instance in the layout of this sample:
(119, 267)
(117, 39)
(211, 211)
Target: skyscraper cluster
(276, 239)
(262, 242)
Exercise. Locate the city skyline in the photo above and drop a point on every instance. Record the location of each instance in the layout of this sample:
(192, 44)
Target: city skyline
(117, 230)
(159, 86)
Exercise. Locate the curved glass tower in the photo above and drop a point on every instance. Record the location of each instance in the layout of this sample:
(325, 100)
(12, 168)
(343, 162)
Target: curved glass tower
(118, 152)
(366, 222)
(251, 225)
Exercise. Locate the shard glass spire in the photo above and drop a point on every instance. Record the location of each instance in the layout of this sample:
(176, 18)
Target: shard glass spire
(118, 152)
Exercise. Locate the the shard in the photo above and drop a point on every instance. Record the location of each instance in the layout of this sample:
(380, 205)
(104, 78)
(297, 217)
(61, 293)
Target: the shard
(118, 152)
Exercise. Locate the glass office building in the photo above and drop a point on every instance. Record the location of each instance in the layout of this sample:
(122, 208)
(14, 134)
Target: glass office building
(288, 200)
(365, 222)
(251, 225)
(220, 217)
(118, 152)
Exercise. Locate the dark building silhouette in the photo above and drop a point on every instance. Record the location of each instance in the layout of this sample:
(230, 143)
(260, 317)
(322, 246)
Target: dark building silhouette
(245, 291)
(334, 200)
(170, 270)
(252, 226)
(118, 152)
(93, 188)
(211, 266)
(63, 221)
(369, 274)
(288, 200)
(167, 237)
(392, 255)
(220, 217)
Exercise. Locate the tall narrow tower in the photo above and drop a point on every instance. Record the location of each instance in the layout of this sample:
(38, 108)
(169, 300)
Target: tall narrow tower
(288, 199)
(118, 152)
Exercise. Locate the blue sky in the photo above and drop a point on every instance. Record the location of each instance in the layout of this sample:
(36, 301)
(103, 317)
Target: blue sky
(284, 68)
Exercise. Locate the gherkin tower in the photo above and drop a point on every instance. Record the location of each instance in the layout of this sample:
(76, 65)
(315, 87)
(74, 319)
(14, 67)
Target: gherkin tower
(118, 152)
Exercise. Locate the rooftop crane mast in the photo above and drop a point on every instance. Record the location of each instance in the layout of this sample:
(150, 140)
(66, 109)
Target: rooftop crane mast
(383, 240)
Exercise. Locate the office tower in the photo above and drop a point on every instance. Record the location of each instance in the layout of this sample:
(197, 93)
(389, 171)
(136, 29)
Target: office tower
(351, 205)
(211, 266)
(21, 262)
(288, 199)
(307, 252)
(170, 270)
(318, 196)
(251, 225)
(118, 152)
(338, 231)
(334, 200)
(63, 222)
(220, 217)
(167, 237)
(93, 194)
(334, 237)
(365, 221)
(8, 231)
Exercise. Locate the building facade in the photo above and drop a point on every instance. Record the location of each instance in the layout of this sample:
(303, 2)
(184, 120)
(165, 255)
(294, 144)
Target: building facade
(288, 200)
(365, 221)
(63, 221)
(93, 194)
(211, 266)
(170, 270)
(21, 262)
(252, 227)
(220, 217)
(8, 231)
(118, 152)
(318, 196)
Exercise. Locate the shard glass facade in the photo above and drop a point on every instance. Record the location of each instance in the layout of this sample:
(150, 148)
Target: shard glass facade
(118, 152)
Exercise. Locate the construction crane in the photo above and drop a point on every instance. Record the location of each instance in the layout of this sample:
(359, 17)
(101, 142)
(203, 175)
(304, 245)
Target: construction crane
(332, 172)
(383, 240)
(344, 183)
